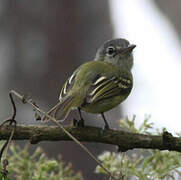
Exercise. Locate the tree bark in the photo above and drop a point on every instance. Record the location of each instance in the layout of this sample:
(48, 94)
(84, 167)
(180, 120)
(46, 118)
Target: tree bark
(125, 140)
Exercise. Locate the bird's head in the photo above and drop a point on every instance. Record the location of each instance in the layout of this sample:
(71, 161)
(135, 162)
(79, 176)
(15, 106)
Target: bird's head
(116, 51)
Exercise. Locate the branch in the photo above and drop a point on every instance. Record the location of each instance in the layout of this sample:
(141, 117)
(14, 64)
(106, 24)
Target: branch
(33, 104)
(125, 140)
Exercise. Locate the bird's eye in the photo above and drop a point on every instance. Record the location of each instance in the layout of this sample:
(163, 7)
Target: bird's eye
(110, 50)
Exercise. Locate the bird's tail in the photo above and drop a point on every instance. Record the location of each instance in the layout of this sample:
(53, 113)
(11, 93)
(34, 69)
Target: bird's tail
(61, 110)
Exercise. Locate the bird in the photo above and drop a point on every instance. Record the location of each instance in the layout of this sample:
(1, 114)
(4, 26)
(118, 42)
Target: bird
(99, 85)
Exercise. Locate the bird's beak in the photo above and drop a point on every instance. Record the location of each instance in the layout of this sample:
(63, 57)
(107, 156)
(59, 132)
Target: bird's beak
(127, 49)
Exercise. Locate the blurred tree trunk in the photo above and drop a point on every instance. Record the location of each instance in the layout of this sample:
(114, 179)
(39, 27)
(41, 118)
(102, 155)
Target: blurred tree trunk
(46, 40)
(171, 9)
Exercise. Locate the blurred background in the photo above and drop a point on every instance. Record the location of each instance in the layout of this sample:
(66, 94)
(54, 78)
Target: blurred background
(43, 41)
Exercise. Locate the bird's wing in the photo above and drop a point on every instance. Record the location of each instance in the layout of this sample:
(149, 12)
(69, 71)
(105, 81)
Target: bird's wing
(106, 87)
(67, 85)
(105, 82)
(62, 108)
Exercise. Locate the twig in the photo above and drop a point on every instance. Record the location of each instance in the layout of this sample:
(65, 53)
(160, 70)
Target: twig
(6, 145)
(61, 126)
(14, 107)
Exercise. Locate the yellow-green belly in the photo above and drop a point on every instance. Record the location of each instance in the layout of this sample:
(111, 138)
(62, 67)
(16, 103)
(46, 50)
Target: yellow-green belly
(104, 105)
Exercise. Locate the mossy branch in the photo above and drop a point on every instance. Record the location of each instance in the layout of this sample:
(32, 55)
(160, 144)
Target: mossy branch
(125, 140)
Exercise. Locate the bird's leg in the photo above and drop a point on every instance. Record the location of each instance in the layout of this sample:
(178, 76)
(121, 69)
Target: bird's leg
(79, 123)
(106, 126)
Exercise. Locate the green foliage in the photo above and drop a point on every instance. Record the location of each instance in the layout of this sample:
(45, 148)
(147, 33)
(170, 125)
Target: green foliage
(144, 164)
(37, 166)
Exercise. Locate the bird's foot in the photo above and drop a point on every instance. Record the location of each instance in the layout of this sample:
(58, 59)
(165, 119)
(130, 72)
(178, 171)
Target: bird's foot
(78, 123)
(81, 123)
(105, 127)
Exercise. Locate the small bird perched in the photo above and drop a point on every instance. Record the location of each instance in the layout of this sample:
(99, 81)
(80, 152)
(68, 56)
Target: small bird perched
(100, 85)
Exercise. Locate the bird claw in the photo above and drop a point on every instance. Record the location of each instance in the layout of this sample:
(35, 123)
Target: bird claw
(105, 127)
(78, 123)
(81, 123)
